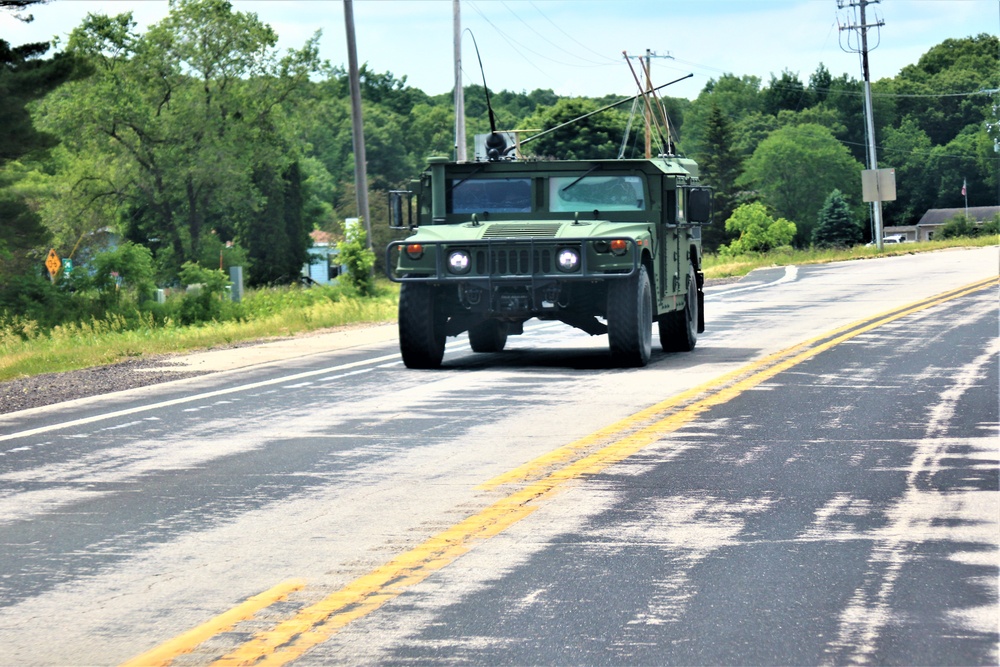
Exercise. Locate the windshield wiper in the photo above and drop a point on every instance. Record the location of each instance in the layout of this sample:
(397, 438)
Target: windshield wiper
(471, 174)
(585, 175)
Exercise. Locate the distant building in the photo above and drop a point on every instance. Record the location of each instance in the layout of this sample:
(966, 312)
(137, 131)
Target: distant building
(936, 217)
(322, 267)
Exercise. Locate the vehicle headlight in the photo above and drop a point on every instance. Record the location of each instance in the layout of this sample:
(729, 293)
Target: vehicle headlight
(568, 260)
(459, 261)
(619, 247)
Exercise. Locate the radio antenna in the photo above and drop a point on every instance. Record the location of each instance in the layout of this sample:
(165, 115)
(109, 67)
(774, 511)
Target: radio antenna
(496, 145)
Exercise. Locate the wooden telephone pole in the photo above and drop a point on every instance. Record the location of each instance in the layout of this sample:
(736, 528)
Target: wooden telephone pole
(357, 124)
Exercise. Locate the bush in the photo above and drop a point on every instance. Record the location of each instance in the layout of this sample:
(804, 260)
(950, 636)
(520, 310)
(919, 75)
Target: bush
(358, 259)
(204, 301)
(758, 231)
(960, 226)
(35, 298)
(128, 268)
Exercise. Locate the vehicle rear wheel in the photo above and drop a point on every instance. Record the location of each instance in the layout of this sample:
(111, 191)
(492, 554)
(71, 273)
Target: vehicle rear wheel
(488, 336)
(679, 329)
(630, 319)
(421, 326)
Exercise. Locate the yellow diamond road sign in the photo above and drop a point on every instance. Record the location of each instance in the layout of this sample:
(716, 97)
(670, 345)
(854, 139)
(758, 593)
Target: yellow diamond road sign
(52, 263)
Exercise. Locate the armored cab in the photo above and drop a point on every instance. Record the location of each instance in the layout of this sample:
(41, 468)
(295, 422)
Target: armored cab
(606, 246)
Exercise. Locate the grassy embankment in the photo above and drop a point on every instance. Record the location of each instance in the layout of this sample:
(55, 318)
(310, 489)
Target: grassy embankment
(286, 312)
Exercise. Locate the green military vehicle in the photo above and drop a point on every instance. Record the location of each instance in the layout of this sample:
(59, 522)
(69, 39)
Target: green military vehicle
(606, 246)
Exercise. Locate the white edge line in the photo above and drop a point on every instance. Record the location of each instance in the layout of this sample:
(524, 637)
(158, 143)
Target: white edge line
(791, 274)
(194, 397)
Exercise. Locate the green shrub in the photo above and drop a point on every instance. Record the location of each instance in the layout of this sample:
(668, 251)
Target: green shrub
(128, 269)
(354, 254)
(758, 231)
(32, 297)
(961, 227)
(204, 300)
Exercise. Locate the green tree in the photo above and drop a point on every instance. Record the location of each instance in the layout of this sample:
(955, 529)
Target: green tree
(908, 149)
(182, 118)
(758, 231)
(836, 226)
(794, 166)
(277, 242)
(596, 137)
(957, 163)
(820, 84)
(939, 90)
(720, 166)
(24, 77)
(736, 96)
(785, 93)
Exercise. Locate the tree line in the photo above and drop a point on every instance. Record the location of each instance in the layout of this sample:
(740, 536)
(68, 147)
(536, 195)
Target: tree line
(198, 140)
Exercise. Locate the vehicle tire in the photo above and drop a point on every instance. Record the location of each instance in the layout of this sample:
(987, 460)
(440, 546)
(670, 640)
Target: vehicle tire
(488, 336)
(630, 319)
(679, 329)
(421, 326)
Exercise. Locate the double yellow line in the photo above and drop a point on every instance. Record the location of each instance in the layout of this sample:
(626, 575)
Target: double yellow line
(537, 479)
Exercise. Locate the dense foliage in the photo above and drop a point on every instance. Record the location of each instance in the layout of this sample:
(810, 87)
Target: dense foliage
(201, 144)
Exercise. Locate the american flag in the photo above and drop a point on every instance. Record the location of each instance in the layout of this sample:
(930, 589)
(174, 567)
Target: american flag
(963, 187)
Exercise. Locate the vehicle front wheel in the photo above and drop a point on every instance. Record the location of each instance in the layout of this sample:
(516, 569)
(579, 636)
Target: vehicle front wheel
(421, 326)
(630, 319)
(679, 329)
(488, 336)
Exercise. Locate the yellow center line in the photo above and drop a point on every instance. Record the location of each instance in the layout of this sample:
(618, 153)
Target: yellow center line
(165, 653)
(318, 622)
(536, 467)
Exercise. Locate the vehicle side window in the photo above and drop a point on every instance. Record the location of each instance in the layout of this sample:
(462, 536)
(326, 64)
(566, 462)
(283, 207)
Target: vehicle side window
(604, 193)
(496, 195)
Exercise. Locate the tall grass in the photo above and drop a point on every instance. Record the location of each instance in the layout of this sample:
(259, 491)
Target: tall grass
(26, 349)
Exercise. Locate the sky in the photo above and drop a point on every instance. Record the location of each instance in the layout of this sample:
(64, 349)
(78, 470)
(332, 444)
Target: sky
(575, 47)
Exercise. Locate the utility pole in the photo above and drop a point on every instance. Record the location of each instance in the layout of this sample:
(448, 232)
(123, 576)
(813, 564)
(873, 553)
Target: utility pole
(357, 123)
(460, 148)
(648, 96)
(862, 29)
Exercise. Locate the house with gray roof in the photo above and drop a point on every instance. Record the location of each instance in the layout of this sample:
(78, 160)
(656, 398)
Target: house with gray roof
(936, 217)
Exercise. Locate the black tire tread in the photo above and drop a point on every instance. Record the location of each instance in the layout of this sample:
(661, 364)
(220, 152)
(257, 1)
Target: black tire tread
(679, 329)
(421, 333)
(629, 343)
(488, 336)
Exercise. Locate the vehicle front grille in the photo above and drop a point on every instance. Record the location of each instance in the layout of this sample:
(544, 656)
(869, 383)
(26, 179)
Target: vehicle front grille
(512, 261)
(521, 230)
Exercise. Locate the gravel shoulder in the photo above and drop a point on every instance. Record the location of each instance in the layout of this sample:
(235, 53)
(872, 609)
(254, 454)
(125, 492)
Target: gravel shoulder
(50, 388)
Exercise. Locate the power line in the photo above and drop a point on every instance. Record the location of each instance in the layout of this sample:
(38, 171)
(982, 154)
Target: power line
(610, 60)
(515, 44)
(542, 36)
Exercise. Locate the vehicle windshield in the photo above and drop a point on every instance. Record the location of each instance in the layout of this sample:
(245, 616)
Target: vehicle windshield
(496, 195)
(604, 193)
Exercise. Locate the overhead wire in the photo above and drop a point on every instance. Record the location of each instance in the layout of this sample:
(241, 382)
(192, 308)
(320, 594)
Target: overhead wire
(543, 37)
(515, 44)
(609, 60)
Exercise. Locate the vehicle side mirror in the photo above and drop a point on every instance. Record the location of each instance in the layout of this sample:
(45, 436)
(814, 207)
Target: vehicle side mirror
(700, 205)
(401, 209)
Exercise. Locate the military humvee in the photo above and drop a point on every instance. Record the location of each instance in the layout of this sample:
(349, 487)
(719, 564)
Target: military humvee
(606, 246)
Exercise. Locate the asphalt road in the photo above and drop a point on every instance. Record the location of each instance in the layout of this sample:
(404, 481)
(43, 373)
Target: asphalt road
(817, 483)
